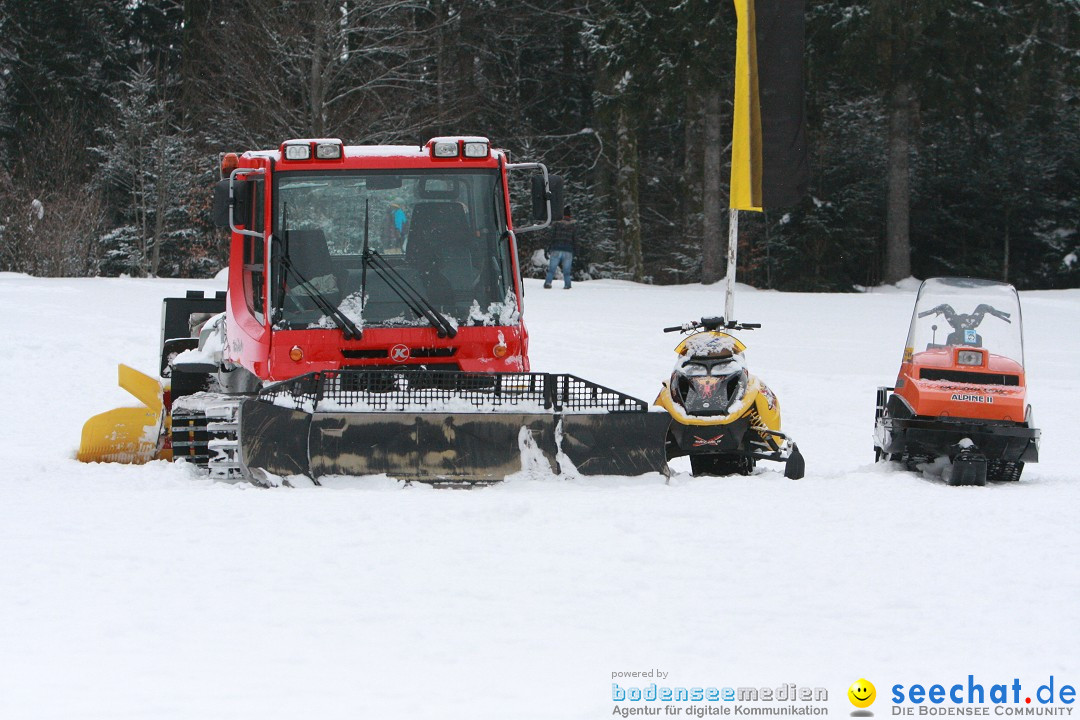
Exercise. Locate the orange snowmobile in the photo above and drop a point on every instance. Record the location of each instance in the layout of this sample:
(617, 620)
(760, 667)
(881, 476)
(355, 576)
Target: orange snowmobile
(959, 394)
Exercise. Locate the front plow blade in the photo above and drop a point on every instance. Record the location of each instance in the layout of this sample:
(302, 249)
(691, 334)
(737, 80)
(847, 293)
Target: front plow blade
(452, 428)
(430, 447)
(436, 447)
(127, 435)
(615, 443)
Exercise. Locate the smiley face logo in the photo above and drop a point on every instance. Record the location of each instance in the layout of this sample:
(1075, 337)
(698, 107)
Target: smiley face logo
(862, 693)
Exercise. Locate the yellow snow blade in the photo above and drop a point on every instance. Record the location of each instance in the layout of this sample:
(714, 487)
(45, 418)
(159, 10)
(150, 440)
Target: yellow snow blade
(127, 435)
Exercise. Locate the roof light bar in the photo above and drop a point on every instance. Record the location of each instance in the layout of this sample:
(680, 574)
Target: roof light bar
(473, 147)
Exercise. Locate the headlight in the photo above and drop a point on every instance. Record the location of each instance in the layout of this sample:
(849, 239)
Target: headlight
(694, 370)
(298, 152)
(445, 149)
(969, 357)
(725, 367)
(476, 149)
(328, 151)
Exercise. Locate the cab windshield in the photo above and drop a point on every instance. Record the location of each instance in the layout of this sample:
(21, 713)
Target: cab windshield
(967, 312)
(443, 232)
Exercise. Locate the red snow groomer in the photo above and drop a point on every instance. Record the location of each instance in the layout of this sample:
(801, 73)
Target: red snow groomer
(372, 325)
(961, 391)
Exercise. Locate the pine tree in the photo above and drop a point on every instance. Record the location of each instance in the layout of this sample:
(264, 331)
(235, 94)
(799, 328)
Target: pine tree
(143, 165)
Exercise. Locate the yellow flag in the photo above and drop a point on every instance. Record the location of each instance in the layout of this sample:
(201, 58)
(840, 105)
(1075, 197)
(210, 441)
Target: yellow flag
(746, 122)
(769, 165)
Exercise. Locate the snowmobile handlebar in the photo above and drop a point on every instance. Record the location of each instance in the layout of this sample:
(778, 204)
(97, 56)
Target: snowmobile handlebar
(712, 323)
(995, 312)
(942, 309)
(960, 321)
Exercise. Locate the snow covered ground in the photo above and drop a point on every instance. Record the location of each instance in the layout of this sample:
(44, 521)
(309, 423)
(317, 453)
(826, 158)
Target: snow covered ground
(148, 592)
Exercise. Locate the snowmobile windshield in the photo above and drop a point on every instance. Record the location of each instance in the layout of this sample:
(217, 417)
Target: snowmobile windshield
(967, 312)
(443, 232)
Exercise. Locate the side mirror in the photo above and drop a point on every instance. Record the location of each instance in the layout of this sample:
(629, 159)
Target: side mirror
(220, 213)
(546, 192)
(241, 203)
(540, 197)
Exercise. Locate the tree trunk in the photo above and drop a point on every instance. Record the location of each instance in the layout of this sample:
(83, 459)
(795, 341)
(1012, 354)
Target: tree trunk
(693, 176)
(713, 251)
(626, 187)
(898, 208)
(161, 204)
(1006, 250)
(317, 96)
(442, 60)
(141, 211)
(193, 62)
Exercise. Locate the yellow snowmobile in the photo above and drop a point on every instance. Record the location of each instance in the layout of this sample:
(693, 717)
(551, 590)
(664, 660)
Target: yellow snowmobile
(723, 417)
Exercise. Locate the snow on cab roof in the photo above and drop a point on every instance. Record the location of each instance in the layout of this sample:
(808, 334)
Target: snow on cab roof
(362, 151)
(359, 151)
(384, 150)
(456, 138)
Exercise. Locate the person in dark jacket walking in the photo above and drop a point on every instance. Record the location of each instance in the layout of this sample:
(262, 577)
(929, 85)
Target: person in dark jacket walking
(561, 249)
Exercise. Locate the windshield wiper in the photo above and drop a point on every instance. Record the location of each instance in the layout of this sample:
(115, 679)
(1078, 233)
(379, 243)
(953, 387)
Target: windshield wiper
(348, 327)
(409, 295)
(325, 306)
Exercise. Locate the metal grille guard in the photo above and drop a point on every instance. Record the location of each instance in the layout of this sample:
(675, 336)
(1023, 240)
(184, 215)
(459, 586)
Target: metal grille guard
(441, 390)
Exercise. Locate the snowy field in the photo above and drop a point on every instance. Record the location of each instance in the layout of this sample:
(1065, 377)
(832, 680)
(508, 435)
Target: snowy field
(148, 592)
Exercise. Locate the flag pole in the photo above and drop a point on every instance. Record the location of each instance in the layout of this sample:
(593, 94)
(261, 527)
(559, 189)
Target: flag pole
(732, 250)
(768, 119)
